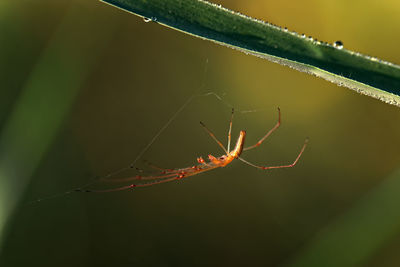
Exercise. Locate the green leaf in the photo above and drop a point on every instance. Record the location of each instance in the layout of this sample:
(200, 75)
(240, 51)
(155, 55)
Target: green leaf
(364, 74)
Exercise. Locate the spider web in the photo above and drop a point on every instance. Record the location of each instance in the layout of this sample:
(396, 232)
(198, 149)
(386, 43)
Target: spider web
(200, 92)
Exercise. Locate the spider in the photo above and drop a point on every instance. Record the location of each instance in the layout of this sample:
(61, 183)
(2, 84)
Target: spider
(167, 175)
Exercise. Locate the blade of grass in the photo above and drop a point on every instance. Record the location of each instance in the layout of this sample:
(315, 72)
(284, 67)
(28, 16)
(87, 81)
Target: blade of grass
(44, 102)
(354, 237)
(365, 74)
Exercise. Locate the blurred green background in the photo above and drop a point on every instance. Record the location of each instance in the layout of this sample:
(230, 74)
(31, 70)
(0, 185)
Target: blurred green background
(84, 88)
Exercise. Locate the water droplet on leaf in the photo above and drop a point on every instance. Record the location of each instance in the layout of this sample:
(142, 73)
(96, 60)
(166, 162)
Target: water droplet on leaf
(338, 44)
(149, 19)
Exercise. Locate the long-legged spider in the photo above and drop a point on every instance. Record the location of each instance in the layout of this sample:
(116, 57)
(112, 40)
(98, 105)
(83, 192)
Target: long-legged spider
(167, 175)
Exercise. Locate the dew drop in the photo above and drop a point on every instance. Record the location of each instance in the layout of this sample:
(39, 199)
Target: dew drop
(285, 29)
(149, 19)
(303, 36)
(338, 44)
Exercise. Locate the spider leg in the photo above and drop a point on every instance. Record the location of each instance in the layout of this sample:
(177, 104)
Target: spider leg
(142, 177)
(281, 166)
(229, 132)
(153, 166)
(215, 138)
(127, 187)
(179, 174)
(268, 134)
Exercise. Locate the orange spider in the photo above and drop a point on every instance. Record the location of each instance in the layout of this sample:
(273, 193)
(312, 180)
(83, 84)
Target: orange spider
(167, 175)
